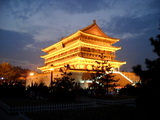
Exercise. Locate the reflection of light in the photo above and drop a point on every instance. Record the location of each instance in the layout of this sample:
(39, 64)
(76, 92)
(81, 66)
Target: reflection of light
(31, 74)
(2, 78)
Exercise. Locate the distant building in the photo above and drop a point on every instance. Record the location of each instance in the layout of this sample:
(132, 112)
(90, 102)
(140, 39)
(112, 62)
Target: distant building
(80, 51)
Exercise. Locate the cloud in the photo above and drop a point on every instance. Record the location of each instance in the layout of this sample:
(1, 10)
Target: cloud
(136, 9)
(47, 21)
(128, 35)
(31, 46)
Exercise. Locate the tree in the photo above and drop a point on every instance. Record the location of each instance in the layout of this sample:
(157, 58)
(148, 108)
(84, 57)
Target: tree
(150, 78)
(108, 81)
(153, 66)
(62, 88)
(103, 75)
(9, 72)
(24, 72)
(38, 88)
(65, 83)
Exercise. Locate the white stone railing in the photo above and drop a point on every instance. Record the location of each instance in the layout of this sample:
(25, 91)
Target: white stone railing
(48, 107)
(123, 76)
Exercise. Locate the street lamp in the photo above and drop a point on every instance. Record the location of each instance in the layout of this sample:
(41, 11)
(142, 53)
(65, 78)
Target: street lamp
(51, 69)
(31, 74)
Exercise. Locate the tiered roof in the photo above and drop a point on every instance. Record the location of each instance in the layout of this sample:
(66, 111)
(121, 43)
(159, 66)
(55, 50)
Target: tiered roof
(90, 37)
(92, 30)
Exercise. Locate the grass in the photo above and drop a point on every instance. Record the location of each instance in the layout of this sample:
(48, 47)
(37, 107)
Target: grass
(101, 113)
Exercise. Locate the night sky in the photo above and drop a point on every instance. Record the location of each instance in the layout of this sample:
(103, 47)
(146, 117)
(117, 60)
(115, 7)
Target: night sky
(27, 26)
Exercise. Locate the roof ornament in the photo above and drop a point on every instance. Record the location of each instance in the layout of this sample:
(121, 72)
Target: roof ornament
(61, 38)
(94, 21)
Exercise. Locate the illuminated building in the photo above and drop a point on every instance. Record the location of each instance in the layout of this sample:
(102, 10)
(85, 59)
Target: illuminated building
(80, 51)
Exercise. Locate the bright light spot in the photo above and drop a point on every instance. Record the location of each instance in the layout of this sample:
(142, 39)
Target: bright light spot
(82, 81)
(97, 82)
(89, 81)
(81, 58)
(51, 68)
(31, 74)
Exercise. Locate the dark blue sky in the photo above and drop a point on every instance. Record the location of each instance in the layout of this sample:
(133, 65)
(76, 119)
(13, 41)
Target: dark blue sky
(27, 26)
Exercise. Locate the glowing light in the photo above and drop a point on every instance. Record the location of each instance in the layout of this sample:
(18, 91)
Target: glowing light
(51, 68)
(82, 81)
(31, 74)
(81, 58)
(89, 81)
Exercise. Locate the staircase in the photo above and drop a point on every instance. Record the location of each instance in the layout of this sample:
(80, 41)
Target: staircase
(123, 79)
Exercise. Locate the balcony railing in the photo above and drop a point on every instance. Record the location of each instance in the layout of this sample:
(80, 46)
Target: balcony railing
(83, 52)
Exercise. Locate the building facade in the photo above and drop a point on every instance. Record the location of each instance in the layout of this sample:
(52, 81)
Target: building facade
(82, 51)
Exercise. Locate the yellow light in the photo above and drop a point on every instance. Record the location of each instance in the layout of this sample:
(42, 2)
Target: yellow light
(81, 58)
(51, 68)
(31, 74)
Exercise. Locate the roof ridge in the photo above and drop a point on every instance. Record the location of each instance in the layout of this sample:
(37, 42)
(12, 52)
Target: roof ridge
(89, 26)
(99, 29)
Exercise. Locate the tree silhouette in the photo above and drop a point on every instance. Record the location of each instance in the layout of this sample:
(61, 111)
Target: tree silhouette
(108, 81)
(153, 66)
(103, 75)
(64, 84)
(150, 78)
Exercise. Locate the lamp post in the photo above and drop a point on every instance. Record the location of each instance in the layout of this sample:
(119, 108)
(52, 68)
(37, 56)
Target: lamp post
(31, 74)
(51, 69)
